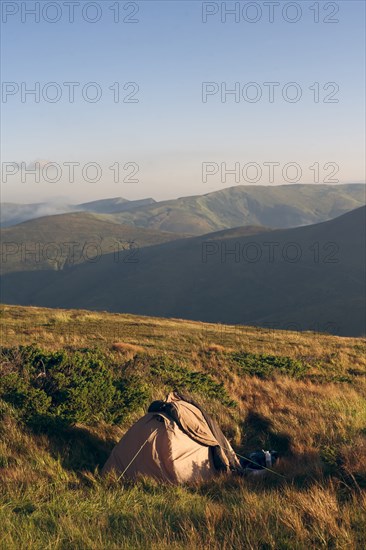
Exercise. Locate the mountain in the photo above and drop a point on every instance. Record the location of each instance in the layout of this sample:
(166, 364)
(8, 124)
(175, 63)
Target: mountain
(12, 213)
(55, 242)
(110, 206)
(243, 205)
(309, 277)
(272, 206)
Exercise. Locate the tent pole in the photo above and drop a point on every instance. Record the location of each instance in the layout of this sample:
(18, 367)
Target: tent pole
(136, 455)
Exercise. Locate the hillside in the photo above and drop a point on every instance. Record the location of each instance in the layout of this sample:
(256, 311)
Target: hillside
(60, 241)
(310, 278)
(271, 206)
(279, 206)
(109, 206)
(12, 213)
(302, 394)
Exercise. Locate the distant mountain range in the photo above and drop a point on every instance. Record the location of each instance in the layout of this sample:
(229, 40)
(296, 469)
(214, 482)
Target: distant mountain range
(271, 206)
(12, 213)
(309, 278)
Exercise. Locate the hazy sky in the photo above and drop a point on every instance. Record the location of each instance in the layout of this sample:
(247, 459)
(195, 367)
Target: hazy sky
(166, 127)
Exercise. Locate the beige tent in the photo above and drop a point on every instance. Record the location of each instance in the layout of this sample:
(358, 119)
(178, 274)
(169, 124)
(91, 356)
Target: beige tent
(175, 441)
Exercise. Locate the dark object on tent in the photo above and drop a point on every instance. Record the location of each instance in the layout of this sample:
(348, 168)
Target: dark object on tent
(175, 441)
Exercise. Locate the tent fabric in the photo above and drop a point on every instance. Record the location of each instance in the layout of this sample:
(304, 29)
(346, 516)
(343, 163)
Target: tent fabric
(223, 451)
(177, 447)
(169, 454)
(191, 421)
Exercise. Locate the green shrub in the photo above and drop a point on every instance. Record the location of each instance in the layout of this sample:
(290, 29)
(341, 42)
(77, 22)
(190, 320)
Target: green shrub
(53, 388)
(68, 387)
(17, 392)
(181, 378)
(81, 386)
(265, 366)
(134, 394)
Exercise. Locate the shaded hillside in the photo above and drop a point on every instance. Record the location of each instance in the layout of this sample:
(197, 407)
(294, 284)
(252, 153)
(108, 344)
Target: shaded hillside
(245, 231)
(310, 278)
(60, 241)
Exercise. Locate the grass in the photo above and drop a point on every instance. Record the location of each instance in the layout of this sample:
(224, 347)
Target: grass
(303, 394)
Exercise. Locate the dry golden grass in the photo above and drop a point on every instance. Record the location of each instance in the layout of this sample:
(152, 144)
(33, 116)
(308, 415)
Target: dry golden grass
(127, 350)
(215, 348)
(52, 328)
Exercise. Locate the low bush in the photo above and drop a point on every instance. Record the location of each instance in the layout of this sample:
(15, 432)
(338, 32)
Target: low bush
(265, 366)
(80, 386)
(179, 377)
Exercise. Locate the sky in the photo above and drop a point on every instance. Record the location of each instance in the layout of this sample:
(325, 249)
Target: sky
(158, 119)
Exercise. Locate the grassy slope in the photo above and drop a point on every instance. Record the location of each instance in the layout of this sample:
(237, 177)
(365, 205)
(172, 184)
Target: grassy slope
(52, 495)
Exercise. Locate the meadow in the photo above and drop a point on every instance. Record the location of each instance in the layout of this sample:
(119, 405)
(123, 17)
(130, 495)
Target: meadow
(73, 381)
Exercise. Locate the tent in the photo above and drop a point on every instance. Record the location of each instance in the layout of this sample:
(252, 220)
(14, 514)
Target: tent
(176, 441)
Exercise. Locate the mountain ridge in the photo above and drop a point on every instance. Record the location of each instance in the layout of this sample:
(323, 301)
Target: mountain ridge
(272, 206)
(176, 279)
